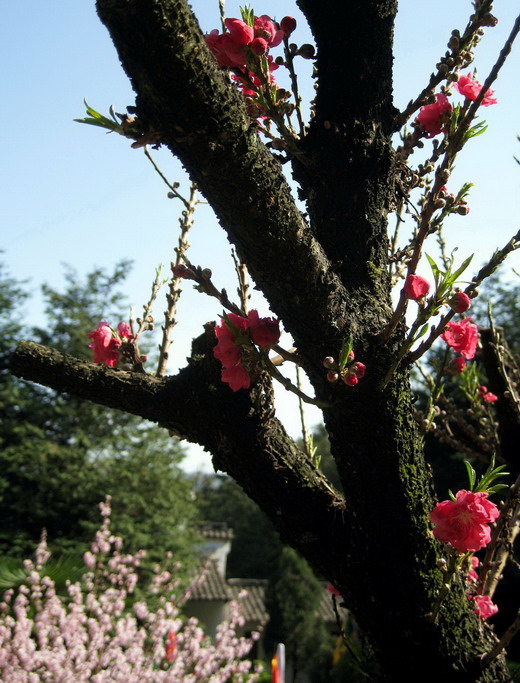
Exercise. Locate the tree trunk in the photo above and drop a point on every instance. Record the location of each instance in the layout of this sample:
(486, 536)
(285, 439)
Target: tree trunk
(375, 545)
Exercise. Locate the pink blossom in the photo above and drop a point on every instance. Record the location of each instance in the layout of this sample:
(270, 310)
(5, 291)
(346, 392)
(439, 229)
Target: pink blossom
(266, 28)
(460, 302)
(486, 395)
(484, 606)
(124, 331)
(236, 376)
(240, 32)
(105, 345)
(432, 117)
(470, 88)
(462, 337)
(415, 287)
(226, 350)
(472, 574)
(464, 522)
(264, 331)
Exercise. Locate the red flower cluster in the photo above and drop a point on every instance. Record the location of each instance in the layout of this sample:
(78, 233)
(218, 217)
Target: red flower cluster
(415, 287)
(462, 337)
(234, 48)
(470, 88)
(261, 331)
(432, 117)
(464, 522)
(106, 342)
(486, 395)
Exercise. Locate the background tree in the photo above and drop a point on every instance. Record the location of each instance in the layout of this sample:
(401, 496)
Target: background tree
(60, 456)
(325, 275)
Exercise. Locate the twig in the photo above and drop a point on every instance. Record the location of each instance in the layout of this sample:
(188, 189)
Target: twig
(243, 284)
(172, 298)
(503, 642)
(305, 434)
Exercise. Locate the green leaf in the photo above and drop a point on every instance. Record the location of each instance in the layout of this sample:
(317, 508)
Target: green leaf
(422, 331)
(437, 273)
(345, 351)
(454, 276)
(472, 475)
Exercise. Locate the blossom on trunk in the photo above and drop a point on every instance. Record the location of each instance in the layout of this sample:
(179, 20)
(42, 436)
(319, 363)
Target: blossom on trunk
(484, 606)
(464, 522)
(105, 344)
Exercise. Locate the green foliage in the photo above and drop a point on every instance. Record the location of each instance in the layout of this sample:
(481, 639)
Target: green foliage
(59, 456)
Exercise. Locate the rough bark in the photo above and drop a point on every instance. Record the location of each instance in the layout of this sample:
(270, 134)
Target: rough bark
(375, 546)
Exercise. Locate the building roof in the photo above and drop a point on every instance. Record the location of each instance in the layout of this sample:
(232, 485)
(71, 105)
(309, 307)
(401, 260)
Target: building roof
(211, 586)
(218, 530)
(252, 605)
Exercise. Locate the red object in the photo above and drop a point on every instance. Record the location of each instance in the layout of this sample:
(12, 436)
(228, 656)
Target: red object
(460, 302)
(464, 522)
(457, 366)
(263, 331)
(470, 88)
(415, 287)
(105, 345)
(462, 337)
(487, 396)
(432, 117)
(484, 606)
(170, 647)
(288, 24)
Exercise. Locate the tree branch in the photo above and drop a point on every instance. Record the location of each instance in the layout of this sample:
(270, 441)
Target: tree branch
(240, 430)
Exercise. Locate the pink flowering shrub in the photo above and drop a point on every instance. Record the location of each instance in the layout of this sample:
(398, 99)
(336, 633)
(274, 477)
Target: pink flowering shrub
(470, 88)
(462, 337)
(464, 522)
(94, 636)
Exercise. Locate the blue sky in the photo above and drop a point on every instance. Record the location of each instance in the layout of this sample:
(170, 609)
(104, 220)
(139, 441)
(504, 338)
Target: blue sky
(72, 194)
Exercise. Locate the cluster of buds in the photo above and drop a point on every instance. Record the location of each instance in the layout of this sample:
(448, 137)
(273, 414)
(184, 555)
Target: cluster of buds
(449, 202)
(350, 374)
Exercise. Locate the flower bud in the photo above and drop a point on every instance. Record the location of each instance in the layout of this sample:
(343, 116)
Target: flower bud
(460, 302)
(462, 210)
(288, 24)
(306, 51)
(259, 46)
(329, 363)
(359, 369)
(351, 355)
(415, 287)
(206, 273)
(456, 366)
(332, 376)
(350, 379)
